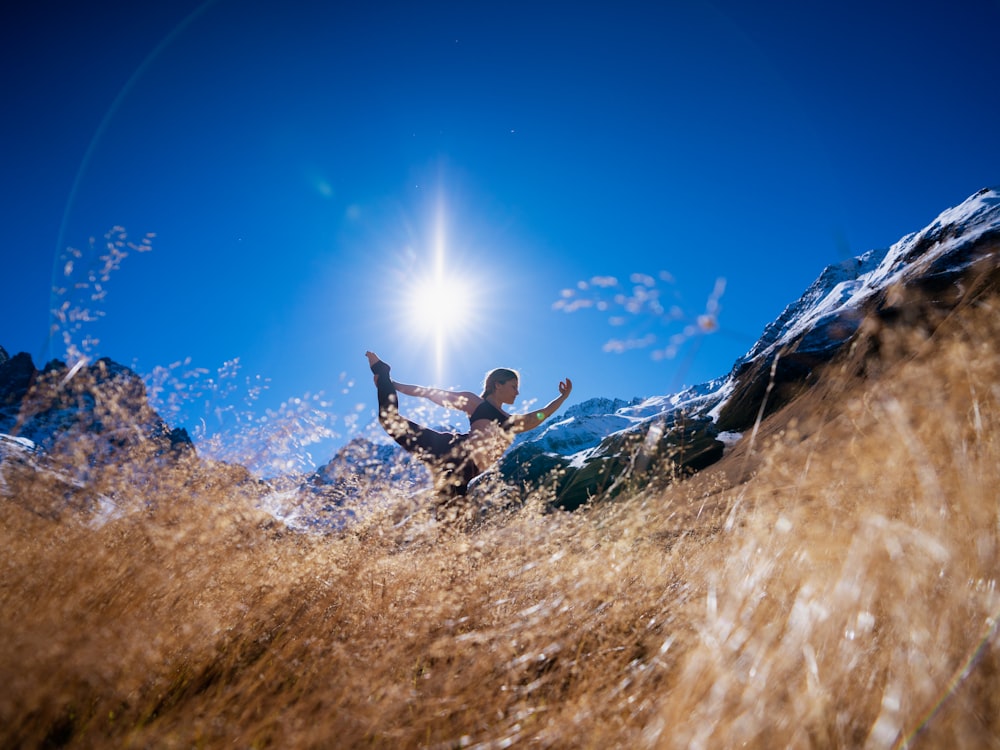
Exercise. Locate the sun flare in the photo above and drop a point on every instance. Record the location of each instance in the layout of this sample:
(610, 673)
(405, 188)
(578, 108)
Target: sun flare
(442, 297)
(440, 293)
(441, 310)
(441, 305)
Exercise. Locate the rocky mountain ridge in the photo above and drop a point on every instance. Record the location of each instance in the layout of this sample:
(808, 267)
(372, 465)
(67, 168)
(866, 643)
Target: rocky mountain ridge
(58, 403)
(953, 258)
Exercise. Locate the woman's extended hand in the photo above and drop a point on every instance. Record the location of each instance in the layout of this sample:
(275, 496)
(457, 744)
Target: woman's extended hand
(565, 387)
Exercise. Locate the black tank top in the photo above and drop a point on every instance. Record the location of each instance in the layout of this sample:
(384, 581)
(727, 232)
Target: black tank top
(486, 410)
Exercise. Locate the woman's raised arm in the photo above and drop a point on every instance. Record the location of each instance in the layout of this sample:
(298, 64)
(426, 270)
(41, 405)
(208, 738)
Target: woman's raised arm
(461, 400)
(525, 422)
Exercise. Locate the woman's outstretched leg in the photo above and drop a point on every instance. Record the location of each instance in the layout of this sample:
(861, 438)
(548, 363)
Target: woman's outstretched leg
(388, 400)
(401, 430)
(443, 451)
(427, 444)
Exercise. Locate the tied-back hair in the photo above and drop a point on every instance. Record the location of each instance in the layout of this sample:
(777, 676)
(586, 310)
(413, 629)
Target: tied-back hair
(497, 377)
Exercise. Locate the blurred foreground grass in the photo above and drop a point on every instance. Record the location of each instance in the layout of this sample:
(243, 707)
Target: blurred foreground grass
(833, 585)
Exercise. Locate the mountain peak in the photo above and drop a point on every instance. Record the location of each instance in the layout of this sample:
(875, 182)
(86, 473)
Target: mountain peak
(932, 262)
(80, 406)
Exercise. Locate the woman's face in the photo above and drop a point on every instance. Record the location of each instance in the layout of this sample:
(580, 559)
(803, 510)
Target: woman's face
(507, 392)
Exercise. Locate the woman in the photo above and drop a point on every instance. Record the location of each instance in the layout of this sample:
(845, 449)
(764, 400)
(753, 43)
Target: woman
(456, 458)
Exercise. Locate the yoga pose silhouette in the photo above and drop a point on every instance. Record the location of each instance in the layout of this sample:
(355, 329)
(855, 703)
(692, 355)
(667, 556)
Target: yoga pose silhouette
(456, 459)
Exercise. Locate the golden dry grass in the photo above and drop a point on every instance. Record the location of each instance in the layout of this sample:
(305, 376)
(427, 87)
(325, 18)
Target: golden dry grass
(835, 586)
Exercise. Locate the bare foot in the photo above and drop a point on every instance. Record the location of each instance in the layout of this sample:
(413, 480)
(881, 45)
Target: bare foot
(378, 367)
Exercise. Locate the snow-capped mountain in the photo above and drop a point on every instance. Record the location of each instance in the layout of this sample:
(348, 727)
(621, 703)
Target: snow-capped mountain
(933, 266)
(581, 426)
(695, 425)
(101, 399)
(831, 309)
(81, 428)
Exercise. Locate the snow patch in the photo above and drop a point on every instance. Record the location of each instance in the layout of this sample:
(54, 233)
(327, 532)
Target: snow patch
(18, 443)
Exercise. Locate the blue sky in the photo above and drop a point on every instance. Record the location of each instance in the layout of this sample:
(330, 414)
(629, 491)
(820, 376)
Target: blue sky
(305, 165)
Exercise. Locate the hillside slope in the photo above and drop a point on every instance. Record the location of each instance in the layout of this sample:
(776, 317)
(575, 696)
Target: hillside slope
(831, 582)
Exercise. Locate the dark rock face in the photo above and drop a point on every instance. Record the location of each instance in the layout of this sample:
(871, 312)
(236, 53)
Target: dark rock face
(99, 411)
(663, 448)
(16, 376)
(89, 433)
(953, 260)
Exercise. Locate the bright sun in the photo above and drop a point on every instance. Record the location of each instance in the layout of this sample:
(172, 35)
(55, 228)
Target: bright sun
(441, 305)
(441, 301)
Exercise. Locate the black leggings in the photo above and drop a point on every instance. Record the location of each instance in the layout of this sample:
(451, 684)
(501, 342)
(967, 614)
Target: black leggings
(444, 452)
